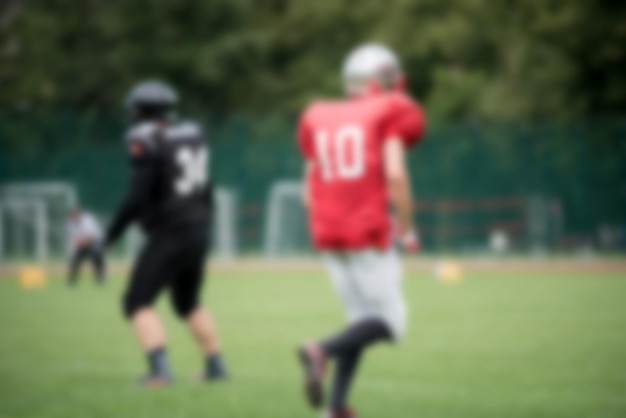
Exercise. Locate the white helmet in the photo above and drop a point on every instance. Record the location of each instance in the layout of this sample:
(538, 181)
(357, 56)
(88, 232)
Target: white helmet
(372, 65)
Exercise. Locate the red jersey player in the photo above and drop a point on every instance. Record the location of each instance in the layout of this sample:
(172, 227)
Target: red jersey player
(354, 169)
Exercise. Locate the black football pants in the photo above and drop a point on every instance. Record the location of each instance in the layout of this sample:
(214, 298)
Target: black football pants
(91, 253)
(172, 259)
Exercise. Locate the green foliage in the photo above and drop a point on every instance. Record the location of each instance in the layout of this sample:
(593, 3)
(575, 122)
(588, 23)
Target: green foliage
(465, 59)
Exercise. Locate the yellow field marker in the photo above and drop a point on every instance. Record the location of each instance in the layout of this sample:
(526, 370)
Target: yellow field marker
(32, 277)
(448, 272)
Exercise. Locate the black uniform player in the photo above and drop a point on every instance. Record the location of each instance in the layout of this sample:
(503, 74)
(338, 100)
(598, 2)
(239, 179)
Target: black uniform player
(170, 195)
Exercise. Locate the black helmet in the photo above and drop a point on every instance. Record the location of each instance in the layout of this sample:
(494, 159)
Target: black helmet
(151, 100)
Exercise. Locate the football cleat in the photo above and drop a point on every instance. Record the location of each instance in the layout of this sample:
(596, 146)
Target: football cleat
(155, 381)
(313, 364)
(213, 377)
(346, 413)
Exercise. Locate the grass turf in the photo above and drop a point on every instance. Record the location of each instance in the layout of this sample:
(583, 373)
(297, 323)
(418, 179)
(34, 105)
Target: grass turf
(498, 345)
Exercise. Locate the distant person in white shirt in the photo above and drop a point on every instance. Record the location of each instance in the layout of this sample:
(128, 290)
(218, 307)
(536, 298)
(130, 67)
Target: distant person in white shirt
(85, 238)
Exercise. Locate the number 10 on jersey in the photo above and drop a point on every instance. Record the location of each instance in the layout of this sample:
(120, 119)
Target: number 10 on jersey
(341, 153)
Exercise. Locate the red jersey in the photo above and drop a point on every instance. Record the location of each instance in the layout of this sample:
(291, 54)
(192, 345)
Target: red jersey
(343, 141)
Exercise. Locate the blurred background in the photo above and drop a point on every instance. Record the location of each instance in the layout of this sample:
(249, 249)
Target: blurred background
(520, 191)
(526, 101)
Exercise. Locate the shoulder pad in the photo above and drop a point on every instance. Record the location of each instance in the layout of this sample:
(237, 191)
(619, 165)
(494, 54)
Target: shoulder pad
(144, 133)
(401, 100)
(318, 107)
(183, 130)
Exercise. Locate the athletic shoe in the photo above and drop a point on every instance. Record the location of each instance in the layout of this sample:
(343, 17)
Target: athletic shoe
(346, 413)
(313, 364)
(155, 381)
(212, 378)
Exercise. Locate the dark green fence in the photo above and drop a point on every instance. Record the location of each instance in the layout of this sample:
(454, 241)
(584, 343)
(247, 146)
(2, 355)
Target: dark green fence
(555, 184)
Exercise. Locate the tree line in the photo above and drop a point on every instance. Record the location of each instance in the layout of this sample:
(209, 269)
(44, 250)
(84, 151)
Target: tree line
(500, 60)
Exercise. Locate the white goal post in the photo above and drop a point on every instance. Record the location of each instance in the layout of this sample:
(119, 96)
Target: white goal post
(286, 231)
(32, 218)
(33, 222)
(27, 224)
(226, 217)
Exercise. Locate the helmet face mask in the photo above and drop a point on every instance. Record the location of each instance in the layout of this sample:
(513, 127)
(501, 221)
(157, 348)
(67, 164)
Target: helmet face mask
(148, 112)
(372, 68)
(151, 100)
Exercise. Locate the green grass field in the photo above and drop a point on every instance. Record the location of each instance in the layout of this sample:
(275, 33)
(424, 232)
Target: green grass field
(497, 345)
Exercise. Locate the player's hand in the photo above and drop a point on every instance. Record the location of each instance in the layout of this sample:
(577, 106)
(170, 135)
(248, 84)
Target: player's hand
(105, 244)
(409, 241)
(83, 241)
(101, 246)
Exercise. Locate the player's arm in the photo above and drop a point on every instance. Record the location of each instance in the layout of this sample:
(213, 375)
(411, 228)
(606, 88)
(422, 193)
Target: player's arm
(405, 127)
(80, 241)
(72, 239)
(399, 184)
(142, 178)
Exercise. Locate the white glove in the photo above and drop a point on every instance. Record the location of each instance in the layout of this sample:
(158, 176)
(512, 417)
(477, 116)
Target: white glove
(410, 242)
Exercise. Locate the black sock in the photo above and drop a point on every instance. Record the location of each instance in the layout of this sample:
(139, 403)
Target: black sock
(215, 367)
(157, 361)
(99, 273)
(356, 337)
(72, 278)
(345, 368)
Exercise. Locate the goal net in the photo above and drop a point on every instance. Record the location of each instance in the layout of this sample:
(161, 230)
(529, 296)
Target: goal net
(286, 231)
(32, 219)
(496, 225)
(33, 222)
